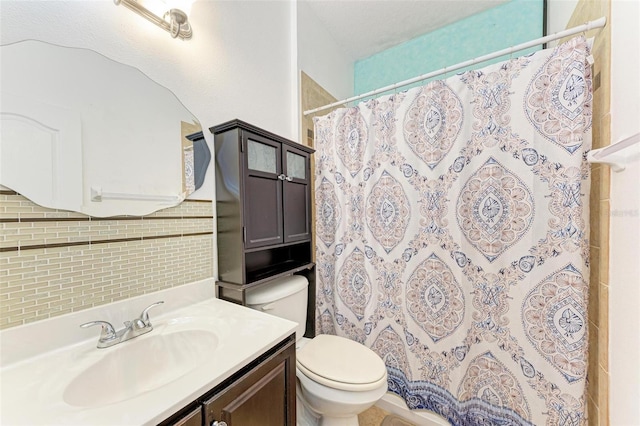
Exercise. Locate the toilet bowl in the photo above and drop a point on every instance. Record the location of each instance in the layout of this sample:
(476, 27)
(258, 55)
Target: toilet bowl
(337, 378)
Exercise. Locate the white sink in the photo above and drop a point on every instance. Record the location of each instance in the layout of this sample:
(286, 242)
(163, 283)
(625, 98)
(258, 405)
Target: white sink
(53, 374)
(140, 365)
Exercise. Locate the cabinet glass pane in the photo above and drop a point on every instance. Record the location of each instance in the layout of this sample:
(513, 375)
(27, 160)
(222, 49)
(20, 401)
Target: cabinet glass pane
(296, 166)
(261, 157)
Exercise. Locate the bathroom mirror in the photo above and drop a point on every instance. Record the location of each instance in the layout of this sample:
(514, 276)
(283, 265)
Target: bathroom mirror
(82, 132)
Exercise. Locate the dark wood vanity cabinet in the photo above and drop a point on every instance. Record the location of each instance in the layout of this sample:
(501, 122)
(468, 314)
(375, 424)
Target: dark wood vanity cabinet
(263, 203)
(261, 394)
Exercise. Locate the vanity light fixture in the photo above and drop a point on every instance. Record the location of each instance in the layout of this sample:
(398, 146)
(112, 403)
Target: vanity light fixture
(170, 15)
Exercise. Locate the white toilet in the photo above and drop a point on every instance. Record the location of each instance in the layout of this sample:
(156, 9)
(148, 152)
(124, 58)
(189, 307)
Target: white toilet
(337, 377)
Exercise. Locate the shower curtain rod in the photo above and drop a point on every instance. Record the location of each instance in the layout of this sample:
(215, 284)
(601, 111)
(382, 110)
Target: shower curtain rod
(598, 23)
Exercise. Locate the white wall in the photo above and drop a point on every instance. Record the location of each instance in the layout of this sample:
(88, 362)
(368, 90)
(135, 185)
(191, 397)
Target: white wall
(624, 257)
(558, 14)
(320, 57)
(237, 65)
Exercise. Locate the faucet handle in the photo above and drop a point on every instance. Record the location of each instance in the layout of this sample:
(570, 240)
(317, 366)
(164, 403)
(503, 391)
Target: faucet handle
(144, 316)
(107, 333)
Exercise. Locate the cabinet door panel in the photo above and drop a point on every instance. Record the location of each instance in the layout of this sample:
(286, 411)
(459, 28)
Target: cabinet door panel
(263, 211)
(262, 157)
(262, 154)
(296, 165)
(263, 191)
(296, 212)
(256, 405)
(263, 397)
(296, 194)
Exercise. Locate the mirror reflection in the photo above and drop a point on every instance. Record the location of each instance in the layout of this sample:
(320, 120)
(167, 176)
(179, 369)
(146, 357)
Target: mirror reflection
(82, 132)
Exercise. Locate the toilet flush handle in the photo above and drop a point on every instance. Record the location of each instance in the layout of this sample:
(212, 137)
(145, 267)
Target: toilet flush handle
(268, 307)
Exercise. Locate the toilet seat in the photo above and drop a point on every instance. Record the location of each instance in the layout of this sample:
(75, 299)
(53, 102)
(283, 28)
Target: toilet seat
(340, 363)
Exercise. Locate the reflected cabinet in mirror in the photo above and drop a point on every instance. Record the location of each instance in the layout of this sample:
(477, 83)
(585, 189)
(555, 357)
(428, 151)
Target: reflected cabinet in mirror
(82, 132)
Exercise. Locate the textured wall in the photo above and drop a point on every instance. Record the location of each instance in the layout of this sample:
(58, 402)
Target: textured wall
(54, 262)
(500, 27)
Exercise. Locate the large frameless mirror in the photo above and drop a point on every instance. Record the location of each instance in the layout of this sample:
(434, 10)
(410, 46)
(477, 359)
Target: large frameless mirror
(82, 132)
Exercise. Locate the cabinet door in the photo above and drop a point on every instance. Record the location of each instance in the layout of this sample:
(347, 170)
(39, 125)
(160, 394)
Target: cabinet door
(296, 194)
(263, 397)
(262, 197)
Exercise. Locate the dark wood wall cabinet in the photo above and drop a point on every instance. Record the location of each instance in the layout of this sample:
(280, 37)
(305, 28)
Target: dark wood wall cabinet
(263, 203)
(261, 394)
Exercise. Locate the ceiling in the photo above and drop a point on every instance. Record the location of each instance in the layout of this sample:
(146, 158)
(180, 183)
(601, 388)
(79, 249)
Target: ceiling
(366, 27)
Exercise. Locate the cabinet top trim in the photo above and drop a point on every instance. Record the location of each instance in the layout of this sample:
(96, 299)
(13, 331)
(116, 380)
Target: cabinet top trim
(229, 125)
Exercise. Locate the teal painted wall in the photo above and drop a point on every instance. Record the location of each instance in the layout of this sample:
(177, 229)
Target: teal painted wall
(503, 26)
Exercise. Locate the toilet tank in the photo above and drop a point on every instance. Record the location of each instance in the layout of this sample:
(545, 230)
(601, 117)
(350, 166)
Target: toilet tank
(285, 297)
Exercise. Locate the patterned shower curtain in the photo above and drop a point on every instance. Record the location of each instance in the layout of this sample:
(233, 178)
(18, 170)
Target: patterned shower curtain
(452, 238)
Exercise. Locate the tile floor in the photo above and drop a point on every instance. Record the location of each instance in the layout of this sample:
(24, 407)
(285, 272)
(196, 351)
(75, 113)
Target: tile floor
(375, 416)
(372, 417)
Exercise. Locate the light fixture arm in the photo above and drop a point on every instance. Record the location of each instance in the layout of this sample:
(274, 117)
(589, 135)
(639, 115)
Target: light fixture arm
(177, 18)
(174, 21)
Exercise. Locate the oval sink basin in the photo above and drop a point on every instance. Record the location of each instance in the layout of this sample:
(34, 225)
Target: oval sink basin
(140, 365)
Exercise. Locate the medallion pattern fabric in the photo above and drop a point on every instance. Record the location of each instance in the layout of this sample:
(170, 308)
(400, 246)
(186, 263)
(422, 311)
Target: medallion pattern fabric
(495, 209)
(434, 298)
(388, 212)
(452, 225)
(433, 122)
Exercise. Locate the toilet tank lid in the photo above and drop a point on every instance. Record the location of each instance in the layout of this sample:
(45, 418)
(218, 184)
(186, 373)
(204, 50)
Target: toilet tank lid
(276, 289)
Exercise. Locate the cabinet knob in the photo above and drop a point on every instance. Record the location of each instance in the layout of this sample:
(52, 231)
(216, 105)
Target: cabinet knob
(217, 423)
(282, 177)
(289, 178)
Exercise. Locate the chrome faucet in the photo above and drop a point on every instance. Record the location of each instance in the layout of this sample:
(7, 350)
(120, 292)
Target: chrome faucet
(109, 336)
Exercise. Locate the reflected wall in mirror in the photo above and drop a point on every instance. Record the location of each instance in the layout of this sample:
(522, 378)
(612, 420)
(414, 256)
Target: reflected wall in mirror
(82, 132)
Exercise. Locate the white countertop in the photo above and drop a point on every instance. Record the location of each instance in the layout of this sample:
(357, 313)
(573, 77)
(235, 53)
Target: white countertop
(32, 388)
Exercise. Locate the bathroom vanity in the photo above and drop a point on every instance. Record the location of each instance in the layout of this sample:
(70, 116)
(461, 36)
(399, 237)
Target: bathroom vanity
(261, 393)
(205, 360)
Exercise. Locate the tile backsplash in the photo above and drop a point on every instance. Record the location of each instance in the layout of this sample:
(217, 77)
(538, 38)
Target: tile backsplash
(54, 262)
